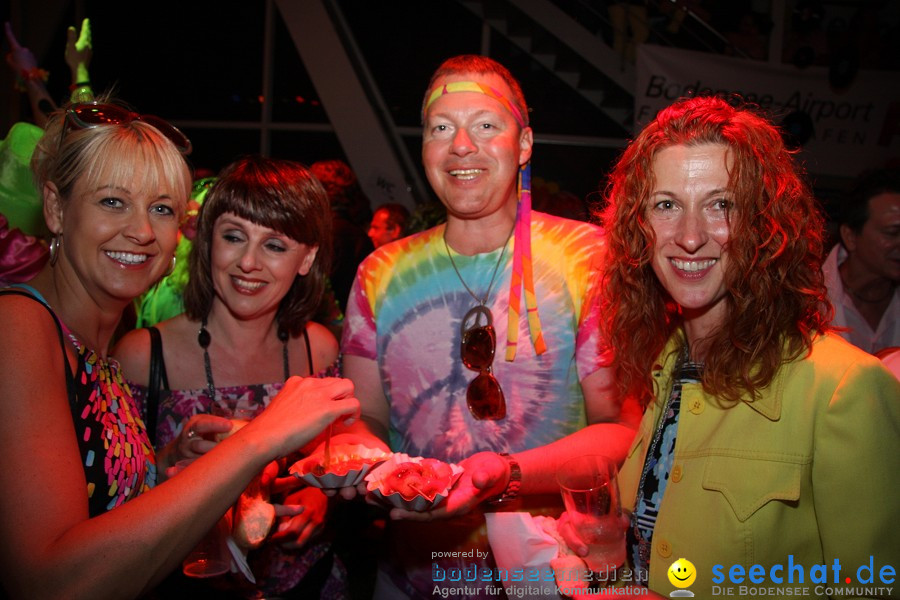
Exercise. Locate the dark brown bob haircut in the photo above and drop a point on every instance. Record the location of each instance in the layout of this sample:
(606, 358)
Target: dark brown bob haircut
(281, 195)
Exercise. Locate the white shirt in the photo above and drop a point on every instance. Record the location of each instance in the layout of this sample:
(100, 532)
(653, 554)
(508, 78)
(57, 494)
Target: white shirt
(858, 332)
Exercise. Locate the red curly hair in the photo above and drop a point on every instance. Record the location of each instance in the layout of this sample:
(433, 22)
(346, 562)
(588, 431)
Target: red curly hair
(775, 289)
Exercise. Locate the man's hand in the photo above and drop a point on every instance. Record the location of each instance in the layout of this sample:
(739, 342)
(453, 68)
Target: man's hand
(485, 476)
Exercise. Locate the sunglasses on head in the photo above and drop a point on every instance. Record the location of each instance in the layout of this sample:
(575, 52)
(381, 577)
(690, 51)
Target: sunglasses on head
(89, 115)
(479, 342)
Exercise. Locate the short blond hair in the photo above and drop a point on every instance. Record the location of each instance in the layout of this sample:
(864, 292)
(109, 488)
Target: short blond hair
(109, 154)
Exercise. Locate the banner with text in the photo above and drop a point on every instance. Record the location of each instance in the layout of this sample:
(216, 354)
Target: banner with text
(846, 131)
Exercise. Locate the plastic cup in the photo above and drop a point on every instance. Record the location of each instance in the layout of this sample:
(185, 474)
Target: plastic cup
(591, 494)
(210, 557)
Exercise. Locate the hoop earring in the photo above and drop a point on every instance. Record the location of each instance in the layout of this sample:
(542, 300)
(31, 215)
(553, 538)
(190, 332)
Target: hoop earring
(55, 243)
(171, 268)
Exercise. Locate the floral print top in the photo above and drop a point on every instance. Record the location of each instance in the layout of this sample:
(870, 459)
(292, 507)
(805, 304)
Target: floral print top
(276, 569)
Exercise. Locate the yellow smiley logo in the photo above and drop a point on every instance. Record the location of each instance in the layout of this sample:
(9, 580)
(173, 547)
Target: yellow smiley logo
(682, 573)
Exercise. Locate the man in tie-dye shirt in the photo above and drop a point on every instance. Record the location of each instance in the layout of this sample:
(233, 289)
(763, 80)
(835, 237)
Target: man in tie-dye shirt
(407, 311)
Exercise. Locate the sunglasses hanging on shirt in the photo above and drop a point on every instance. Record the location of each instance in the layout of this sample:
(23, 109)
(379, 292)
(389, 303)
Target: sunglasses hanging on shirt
(478, 344)
(484, 397)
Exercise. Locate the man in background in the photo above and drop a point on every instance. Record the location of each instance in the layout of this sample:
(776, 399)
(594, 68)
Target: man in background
(388, 224)
(863, 269)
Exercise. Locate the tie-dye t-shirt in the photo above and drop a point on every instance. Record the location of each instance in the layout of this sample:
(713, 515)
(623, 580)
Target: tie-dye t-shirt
(405, 312)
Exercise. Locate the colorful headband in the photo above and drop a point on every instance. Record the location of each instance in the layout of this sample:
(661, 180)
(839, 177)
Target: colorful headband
(523, 273)
(480, 88)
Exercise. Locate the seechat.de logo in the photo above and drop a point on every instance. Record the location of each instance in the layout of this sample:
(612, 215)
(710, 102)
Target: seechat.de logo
(797, 579)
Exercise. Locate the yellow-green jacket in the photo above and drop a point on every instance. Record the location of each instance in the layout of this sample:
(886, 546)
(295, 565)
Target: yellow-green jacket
(810, 469)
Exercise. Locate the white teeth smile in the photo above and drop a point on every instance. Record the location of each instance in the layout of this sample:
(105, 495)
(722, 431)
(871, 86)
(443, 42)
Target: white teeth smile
(250, 286)
(465, 173)
(693, 265)
(127, 257)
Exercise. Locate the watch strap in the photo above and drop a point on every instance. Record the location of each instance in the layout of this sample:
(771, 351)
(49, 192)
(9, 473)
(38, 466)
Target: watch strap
(515, 481)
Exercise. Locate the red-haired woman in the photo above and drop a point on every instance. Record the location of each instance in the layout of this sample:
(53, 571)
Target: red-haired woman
(767, 440)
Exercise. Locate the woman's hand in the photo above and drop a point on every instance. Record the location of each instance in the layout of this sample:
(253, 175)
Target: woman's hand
(200, 435)
(296, 527)
(569, 532)
(304, 407)
(197, 437)
(570, 535)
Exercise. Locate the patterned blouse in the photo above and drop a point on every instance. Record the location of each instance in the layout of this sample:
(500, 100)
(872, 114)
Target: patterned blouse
(118, 458)
(119, 461)
(655, 476)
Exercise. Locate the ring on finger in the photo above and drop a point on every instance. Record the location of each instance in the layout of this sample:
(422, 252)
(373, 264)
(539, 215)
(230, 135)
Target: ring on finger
(191, 434)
